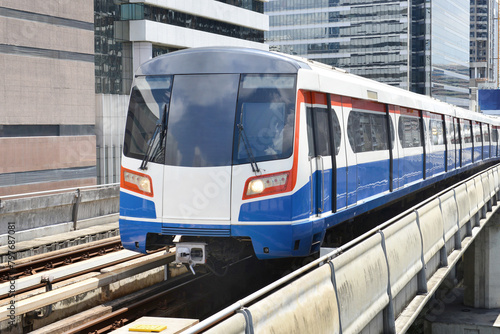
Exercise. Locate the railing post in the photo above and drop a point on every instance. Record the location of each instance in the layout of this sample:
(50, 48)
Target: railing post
(78, 198)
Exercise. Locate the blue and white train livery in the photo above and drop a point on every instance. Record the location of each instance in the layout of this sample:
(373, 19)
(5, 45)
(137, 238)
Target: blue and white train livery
(244, 146)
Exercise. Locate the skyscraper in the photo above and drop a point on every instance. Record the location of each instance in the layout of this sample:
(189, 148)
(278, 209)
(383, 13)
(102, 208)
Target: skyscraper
(482, 43)
(413, 44)
(440, 50)
(368, 38)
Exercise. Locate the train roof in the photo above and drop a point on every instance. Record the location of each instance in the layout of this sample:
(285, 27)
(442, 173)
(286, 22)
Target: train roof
(325, 78)
(221, 60)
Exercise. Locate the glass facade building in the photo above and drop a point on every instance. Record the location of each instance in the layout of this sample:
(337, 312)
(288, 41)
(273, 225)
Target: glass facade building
(109, 74)
(482, 41)
(440, 50)
(368, 38)
(418, 45)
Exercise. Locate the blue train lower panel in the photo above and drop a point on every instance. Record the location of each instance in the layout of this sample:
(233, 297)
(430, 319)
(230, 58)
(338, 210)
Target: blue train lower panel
(466, 156)
(373, 179)
(435, 163)
(478, 153)
(135, 231)
(288, 240)
(134, 206)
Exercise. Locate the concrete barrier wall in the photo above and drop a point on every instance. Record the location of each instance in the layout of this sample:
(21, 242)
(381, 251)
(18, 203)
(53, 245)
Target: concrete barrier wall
(43, 215)
(449, 211)
(404, 256)
(366, 288)
(362, 284)
(463, 204)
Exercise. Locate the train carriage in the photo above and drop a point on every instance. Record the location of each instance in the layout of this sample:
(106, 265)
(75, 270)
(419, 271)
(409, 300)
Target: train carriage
(236, 146)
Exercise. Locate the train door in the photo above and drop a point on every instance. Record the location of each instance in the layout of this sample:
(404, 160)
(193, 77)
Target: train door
(437, 149)
(466, 142)
(411, 155)
(425, 120)
(478, 142)
(337, 121)
(486, 141)
(450, 143)
(494, 139)
(458, 143)
(197, 174)
(351, 159)
(393, 112)
(320, 154)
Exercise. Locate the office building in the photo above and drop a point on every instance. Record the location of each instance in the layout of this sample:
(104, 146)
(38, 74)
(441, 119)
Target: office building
(47, 118)
(418, 45)
(482, 41)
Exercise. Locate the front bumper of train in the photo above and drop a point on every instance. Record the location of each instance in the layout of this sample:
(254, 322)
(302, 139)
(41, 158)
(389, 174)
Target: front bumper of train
(269, 240)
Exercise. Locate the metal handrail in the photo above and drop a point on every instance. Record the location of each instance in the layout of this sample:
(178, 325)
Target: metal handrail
(64, 190)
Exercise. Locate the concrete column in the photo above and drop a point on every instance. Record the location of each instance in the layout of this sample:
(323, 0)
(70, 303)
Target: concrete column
(482, 268)
(141, 52)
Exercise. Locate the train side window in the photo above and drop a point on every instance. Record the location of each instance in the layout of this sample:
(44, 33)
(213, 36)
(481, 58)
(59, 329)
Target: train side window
(409, 131)
(318, 132)
(322, 132)
(337, 132)
(457, 132)
(436, 132)
(494, 135)
(450, 130)
(478, 137)
(486, 133)
(466, 133)
(367, 132)
(310, 134)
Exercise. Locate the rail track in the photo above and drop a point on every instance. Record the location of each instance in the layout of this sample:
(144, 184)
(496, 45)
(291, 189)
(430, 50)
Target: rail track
(28, 272)
(79, 279)
(35, 264)
(181, 296)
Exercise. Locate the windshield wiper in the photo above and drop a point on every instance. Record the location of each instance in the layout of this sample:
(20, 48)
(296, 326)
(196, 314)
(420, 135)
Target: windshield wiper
(160, 128)
(243, 136)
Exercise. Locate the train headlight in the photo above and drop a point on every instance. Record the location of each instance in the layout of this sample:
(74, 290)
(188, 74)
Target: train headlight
(255, 187)
(266, 185)
(137, 182)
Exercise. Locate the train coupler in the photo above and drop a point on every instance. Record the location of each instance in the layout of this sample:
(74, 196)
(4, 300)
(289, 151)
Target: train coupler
(190, 254)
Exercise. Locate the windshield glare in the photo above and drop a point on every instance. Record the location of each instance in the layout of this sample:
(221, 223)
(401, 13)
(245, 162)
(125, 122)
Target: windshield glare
(149, 96)
(203, 113)
(266, 112)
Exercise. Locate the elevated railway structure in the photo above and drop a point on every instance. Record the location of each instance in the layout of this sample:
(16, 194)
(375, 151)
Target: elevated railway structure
(383, 281)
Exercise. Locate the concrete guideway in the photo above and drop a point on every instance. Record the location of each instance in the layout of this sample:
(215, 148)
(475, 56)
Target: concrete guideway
(41, 214)
(36, 223)
(381, 281)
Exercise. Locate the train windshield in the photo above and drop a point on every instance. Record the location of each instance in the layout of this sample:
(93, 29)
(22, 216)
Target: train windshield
(201, 120)
(201, 116)
(149, 100)
(265, 115)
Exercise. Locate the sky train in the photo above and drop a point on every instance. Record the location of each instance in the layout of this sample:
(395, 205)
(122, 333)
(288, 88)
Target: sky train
(231, 146)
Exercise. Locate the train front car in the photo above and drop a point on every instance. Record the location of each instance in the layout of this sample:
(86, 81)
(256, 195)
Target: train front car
(210, 154)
